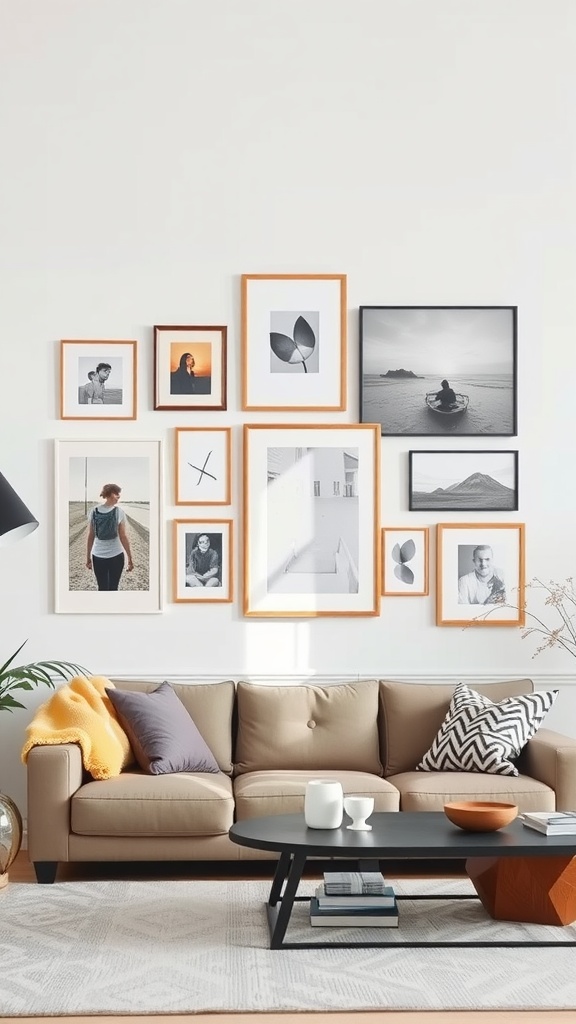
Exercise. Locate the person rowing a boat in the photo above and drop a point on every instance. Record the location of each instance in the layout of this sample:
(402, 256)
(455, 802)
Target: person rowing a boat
(446, 397)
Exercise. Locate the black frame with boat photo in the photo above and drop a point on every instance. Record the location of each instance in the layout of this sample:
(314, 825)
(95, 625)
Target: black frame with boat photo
(438, 371)
(463, 481)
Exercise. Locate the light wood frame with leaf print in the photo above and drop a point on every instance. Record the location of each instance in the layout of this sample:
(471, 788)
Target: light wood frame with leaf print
(480, 576)
(294, 342)
(405, 561)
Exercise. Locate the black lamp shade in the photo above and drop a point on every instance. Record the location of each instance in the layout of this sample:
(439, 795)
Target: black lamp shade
(16, 520)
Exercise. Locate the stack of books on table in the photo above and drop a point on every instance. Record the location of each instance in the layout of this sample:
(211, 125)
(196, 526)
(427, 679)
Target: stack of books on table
(354, 899)
(551, 823)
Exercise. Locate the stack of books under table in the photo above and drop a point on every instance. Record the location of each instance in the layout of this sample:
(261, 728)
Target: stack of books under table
(355, 899)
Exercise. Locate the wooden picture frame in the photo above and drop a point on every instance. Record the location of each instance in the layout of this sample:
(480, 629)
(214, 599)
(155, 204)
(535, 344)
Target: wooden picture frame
(463, 481)
(190, 367)
(202, 568)
(405, 569)
(408, 353)
(294, 342)
(98, 380)
(480, 574)
(81, 470)
(202, 465)
(311, 520)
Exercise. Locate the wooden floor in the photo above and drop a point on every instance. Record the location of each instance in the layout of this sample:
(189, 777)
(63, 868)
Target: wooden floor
(22, 871)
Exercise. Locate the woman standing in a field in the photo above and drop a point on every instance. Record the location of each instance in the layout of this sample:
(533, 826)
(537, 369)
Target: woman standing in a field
(108, 540)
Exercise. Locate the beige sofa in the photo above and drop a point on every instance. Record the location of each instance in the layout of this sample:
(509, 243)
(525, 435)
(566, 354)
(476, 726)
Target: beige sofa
(269, 741)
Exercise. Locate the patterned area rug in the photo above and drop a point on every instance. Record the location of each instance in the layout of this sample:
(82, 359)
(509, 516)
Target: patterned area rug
(191, 946)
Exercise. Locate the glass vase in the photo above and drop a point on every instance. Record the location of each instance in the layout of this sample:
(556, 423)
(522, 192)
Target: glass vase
(10, 835)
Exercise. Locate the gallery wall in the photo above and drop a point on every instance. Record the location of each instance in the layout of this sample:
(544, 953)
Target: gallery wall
(155, 152)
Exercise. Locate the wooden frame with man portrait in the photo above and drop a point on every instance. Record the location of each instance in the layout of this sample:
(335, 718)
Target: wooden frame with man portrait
(190, 367)
(480, 574)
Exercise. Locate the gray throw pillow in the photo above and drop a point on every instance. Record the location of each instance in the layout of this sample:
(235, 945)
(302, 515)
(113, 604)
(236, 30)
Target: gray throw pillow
(162, 734)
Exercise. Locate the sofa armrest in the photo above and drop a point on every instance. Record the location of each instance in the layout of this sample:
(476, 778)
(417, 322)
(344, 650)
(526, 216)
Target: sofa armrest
(550, 758)
(54, 775)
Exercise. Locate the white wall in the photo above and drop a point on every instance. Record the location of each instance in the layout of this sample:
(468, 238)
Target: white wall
(154, 150)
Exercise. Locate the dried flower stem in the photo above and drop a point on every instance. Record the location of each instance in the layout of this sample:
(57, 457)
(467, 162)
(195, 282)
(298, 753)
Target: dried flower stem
(561, 597)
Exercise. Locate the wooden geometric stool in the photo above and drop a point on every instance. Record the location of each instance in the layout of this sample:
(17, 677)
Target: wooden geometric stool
(539, 890)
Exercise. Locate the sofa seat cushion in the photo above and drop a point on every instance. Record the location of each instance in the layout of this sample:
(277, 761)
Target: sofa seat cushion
(429, 791)
(137, 804)
(309, 728)
(282, 792)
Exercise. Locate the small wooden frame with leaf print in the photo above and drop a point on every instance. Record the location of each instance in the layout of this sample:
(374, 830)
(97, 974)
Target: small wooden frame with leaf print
(294, 342)
(405, 561)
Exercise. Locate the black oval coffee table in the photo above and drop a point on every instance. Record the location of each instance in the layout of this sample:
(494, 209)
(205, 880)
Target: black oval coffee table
(404, 835)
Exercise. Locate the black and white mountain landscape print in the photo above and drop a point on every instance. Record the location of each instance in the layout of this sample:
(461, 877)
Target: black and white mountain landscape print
(468, 481)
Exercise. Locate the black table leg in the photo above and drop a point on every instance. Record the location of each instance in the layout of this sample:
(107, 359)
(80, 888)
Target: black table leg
(282, 869)
(278, 916)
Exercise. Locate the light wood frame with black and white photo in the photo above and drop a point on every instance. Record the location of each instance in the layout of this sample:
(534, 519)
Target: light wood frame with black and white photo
(98, 380)
(480, 577)
(202, 561)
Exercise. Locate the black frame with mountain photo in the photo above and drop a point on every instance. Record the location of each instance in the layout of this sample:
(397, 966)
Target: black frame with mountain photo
(463, 481)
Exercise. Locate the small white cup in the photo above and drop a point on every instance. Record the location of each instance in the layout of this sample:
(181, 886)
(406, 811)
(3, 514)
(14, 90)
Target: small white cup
(359, 808)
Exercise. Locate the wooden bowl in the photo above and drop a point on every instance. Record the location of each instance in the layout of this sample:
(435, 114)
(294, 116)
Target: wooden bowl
(480, 815)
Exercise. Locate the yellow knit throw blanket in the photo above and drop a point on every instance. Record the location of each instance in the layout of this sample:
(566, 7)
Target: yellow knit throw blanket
(81, 712)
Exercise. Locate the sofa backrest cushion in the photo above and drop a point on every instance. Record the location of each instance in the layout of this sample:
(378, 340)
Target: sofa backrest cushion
(411, 715)
(210, 705)
(305, 727)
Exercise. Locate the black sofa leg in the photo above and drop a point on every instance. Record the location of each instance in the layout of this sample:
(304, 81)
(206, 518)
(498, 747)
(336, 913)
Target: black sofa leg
(45, 871)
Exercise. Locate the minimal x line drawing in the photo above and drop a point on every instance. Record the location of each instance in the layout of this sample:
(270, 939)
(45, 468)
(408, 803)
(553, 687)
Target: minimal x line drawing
(203, 471)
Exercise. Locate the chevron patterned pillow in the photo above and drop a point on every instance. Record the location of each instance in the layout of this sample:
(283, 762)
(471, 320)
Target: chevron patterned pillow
(480, 736)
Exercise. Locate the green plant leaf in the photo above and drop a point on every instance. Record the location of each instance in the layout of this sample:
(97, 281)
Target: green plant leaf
(27, 677)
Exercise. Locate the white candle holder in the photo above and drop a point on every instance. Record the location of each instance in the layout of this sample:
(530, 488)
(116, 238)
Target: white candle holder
(359, 808)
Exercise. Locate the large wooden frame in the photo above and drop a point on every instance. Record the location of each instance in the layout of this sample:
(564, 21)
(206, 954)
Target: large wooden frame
(294, 342)
(311, 520)
(461, 593)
